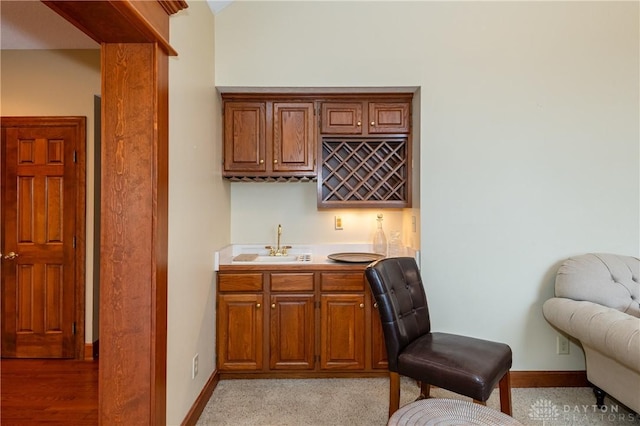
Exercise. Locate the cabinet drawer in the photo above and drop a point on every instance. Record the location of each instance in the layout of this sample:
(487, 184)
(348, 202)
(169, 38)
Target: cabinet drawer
(342, 281)
(240, 282)
(292, 281)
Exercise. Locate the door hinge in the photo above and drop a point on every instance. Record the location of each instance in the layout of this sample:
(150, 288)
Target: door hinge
(74, 241)
(75, 156)
(73, 328)
(317, 305)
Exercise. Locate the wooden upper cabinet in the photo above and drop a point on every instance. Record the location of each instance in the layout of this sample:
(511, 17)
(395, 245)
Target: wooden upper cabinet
(365, 118)
(344, 118)
(293, 137)
(388, 117)
(245, 137)
(269, 138)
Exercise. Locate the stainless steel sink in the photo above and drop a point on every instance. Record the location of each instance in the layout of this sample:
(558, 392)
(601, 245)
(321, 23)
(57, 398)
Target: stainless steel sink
(255, 258)
(276, 259)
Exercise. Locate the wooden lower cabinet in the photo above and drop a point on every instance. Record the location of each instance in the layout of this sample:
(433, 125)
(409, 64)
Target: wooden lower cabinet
(315, 324)
(292, 332)
(342, 332)
(240, 325)
(378, 347)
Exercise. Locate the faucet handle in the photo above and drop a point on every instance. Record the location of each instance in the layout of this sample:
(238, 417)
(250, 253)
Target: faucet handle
(272, 250)
(284, 250)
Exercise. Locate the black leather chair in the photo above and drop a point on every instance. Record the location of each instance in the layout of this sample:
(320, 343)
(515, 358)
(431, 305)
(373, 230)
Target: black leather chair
(464, 365)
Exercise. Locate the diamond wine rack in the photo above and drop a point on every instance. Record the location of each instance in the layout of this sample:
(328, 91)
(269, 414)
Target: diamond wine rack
(365, 172)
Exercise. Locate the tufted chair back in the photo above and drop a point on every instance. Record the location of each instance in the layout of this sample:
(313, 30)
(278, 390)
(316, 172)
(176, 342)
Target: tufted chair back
(397, 288)
(607, 279)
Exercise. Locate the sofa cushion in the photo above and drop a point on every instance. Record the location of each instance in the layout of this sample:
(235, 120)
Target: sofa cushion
(606, 279)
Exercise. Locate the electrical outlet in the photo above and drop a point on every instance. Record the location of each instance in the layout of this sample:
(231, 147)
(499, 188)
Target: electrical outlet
(194, 367)
(337, 223)
(562, 345)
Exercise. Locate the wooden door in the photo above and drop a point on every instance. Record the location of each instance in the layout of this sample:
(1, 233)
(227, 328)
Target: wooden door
(244, 137)
(293, 137)
(342, 333)
(42, 191)
(292, 332)
(240, 331)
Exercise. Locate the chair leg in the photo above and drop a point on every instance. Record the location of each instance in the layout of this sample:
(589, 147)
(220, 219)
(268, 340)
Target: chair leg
(600, 394)
(477, 401)
(505, 393)
(394, 392)
(425, 390)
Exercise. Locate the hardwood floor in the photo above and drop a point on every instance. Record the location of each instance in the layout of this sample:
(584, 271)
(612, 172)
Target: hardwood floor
(51, 392)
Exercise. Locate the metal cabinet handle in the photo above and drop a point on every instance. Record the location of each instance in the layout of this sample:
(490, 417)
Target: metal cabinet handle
(12, 255)
(373, 123)
(359, 123)
(258, 305)
(275, 161)
(375, 305)
(273, 306)
(362, 305)
(261, 161)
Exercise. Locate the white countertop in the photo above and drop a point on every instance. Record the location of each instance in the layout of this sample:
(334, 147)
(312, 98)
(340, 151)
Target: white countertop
(315, 253)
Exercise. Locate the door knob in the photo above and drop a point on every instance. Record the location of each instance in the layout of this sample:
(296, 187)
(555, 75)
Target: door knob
(12, 255)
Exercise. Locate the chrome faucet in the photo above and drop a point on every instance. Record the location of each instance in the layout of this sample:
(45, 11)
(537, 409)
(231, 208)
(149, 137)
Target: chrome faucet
(278, 251)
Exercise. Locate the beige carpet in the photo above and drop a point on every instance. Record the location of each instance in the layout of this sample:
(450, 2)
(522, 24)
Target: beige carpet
(353, 402)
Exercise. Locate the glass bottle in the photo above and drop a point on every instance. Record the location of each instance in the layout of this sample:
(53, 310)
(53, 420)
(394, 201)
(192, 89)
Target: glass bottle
(396, 248)
(379, 239)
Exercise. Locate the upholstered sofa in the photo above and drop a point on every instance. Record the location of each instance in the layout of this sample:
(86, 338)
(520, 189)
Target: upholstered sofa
(598, 303)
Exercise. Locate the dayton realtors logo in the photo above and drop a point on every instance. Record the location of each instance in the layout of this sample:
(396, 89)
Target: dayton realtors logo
(548, 413)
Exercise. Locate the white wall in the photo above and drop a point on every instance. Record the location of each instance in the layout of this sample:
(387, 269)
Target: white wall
(57, 83)
(198, 207)
(258, 208)
(528, 144)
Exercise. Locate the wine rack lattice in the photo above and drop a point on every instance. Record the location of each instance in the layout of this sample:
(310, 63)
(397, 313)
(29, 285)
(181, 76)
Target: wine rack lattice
(371, 171)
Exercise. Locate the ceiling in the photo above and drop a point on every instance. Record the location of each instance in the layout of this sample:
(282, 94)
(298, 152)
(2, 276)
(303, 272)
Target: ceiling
(29, 24)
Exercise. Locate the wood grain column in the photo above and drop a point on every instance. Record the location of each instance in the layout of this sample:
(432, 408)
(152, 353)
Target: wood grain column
(133, 269)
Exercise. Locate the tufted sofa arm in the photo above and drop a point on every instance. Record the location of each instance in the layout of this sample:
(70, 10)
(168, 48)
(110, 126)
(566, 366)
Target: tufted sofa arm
(606, 279)
(607, 330)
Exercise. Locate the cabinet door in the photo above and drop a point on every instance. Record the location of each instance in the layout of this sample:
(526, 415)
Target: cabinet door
(292, 336)
(244, 136)
(378, 347)
(240, 331)
(389, 117)
(343, 118)
(342, 333)
(293, 137)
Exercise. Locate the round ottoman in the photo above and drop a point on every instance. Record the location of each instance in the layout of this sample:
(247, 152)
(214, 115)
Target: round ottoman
(441, 412)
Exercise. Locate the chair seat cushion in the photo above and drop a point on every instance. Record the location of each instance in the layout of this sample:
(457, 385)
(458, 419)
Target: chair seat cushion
(461, 364)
